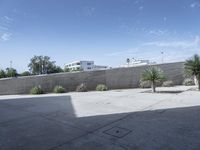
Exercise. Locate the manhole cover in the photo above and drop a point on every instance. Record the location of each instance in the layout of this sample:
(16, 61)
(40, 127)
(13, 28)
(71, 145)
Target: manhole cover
(117, 132)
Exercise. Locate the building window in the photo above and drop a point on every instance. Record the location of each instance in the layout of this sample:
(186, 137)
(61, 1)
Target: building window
(88, 63)
(77, 63)
(89, 68)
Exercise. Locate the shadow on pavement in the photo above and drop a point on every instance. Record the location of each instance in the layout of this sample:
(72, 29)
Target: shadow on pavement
(49, 123)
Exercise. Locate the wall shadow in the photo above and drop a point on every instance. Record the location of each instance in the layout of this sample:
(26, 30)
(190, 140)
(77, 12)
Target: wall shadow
(51, 122)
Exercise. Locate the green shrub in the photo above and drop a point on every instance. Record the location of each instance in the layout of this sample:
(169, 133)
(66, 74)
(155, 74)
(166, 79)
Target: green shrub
(101, 87)
(159, 83)
(11, 72)
(26, 73)
(59, 89)
(81, 88)
(153, 74)
(168, 83)
(192, 68)
(188, 82)
(2, 74)
(145, 84)
(36, 90)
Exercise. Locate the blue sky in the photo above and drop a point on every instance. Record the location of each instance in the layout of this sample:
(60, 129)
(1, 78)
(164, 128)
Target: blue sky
(106, 31)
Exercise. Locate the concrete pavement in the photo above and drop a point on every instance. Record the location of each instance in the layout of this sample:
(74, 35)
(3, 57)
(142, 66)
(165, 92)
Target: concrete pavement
(132, 119)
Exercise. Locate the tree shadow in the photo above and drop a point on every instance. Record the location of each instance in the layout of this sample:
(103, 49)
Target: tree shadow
(164, 92)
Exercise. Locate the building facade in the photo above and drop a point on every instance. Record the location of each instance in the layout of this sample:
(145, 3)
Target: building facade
(134, 63)
(84, 66)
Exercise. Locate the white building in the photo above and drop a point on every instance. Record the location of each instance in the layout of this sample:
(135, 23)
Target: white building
(134, 63)
(98, 67)
(84, 66)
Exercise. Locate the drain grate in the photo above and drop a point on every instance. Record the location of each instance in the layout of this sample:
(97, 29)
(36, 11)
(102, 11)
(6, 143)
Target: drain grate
(117, 132)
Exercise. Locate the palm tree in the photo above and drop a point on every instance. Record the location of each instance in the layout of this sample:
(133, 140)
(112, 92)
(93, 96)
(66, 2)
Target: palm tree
(154, 75)
(192, 67)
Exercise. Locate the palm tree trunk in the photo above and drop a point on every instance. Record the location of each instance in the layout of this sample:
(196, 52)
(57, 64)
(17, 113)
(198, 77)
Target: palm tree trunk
(198, 80)
(153, 86)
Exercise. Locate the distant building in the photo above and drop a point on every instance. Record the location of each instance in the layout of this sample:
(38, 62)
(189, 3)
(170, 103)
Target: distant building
(134, 63)
(84, 66)
(98, 67)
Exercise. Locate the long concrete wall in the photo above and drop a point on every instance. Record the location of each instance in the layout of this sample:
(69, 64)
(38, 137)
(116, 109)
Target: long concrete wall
(113, 78)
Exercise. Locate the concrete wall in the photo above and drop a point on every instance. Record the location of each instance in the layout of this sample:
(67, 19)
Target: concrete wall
(114, 79)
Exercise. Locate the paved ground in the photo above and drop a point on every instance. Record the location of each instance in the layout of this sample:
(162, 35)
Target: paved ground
(115, 120)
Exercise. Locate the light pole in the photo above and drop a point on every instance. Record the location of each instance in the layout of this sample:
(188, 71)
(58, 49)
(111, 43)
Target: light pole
(128, 61)
(11, 68)
(11, 64)
(162, 59)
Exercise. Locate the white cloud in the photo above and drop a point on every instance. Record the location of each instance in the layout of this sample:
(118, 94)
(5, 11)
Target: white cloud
(5, 24)
(164, 18)
(141, 8)
(157, 32)
(136, 2)
(8, 18)
(125, 52)
(86, 11)
(3, 28)
(6, 36)
(146, 48)
(173, 51)
(195, 5)
(177, 44)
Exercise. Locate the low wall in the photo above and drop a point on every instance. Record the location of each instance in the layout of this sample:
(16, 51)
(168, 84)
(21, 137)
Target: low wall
(113, 78)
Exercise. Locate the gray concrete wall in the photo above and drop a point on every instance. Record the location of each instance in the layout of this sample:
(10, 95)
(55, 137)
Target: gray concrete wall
(114, 79)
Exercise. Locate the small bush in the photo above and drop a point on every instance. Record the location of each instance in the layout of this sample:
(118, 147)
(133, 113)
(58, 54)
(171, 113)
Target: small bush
(101, 87)
(159, 83)
(81, 88)
(59, 89)
(36, 90)
(168, 83)
(145, 84)
(188, 82)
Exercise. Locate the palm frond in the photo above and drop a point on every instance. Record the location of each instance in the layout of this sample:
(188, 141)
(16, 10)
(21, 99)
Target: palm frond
(153, 74)
(192, 66)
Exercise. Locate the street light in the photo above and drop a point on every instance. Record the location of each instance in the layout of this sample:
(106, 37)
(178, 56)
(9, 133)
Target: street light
(128, 61)
(11, 68)
(11, 64)
(162, 53)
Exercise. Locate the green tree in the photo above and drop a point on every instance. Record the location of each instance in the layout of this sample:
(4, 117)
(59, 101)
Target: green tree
(42, 65)
(2, 74)
(25, 73)
(11, 72)
(154, 75)
(56, 69)
(66, 69)
(192, 68)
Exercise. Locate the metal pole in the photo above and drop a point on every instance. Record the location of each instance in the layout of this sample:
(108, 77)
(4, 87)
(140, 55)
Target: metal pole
(10, 64)
(162, 53)
(11, 68)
